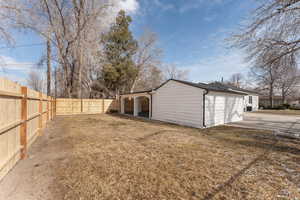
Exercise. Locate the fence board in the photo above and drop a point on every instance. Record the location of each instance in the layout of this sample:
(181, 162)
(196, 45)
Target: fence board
(19, 122)
(85, 106)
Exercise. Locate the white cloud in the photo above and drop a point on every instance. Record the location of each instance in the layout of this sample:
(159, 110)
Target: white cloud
(195, 4)
(15, 70)
(209, 18)
(164, 6)
(215, 67)
(9, 63)
(130, 6)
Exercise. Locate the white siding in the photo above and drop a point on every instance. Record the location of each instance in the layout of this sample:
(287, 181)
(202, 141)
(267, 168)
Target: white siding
(254, 103)
(221, 108)
(178, 103)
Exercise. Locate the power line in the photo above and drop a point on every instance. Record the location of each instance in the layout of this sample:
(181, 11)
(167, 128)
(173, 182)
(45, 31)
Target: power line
(17, 64)
(25, 45)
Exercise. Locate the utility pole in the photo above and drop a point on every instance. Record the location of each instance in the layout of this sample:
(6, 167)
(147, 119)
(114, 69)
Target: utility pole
(48, 68)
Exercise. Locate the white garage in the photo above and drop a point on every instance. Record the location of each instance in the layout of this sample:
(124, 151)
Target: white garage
(191, 104)
(251, 100)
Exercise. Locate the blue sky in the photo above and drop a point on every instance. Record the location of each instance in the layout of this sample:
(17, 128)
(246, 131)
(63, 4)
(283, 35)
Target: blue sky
(191, 33)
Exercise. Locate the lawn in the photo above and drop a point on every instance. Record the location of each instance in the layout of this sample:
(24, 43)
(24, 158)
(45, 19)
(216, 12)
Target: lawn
(113, 157)
(280, 112)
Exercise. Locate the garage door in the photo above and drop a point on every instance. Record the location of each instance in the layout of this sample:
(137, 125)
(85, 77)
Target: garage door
(222, 108)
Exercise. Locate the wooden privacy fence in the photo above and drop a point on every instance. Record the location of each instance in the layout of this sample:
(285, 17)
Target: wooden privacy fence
(23, 114)
(85, 106)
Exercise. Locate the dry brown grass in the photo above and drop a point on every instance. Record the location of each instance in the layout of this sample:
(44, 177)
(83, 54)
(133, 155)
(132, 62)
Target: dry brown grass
(280, 112)
(118, 158)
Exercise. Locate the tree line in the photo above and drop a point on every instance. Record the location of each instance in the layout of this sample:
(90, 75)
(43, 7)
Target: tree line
(271, 39)
(93, 55)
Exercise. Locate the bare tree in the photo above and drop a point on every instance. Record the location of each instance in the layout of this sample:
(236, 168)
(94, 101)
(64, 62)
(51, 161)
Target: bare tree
(268, 74)
(146, 58)
(72, 27)
(236, 80)
(6, 23)
(35, 81)
(171, 71)
(274, 24)
(48, 68)
(289, 77)
(150, 79)
(271, 38)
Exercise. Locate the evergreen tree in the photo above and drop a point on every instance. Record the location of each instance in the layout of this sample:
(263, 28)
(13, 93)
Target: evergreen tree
(119, 69)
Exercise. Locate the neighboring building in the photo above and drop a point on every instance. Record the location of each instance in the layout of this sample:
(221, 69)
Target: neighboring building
(295, 103)
(264, 101)
(251, 100)
(191, 104)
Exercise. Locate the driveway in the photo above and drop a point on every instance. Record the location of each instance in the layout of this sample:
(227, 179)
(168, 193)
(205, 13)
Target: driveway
(279, 123)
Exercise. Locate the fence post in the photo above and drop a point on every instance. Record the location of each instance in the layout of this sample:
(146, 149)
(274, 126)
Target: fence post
(23, 128)
(41, 112)
(51, 107)
(47, 109)
(103, 104)
(55, 107)
(81, 105)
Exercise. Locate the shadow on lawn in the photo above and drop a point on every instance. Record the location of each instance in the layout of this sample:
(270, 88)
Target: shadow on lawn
(234, 177)
(231, 136)
(234, 135)
(256, 139)
(272, 145)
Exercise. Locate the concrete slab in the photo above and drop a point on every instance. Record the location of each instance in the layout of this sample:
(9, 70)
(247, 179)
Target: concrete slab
(278, 123)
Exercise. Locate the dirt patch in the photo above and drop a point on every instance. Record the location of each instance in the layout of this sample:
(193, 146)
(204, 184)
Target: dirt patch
(112, 157)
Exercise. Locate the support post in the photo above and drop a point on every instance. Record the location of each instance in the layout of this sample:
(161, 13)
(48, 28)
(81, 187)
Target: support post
(150, 106)
(23, 128)
(135, 106)
(122, 105)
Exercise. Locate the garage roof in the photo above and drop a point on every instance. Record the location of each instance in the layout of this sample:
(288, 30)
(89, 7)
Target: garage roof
(209, 87)
(226, 86)
(205, 87)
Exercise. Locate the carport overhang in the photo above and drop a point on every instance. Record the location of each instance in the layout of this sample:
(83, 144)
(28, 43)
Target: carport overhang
(135, 96)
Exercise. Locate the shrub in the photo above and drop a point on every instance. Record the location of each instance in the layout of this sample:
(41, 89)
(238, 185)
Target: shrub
(113, 111)
(286, 106)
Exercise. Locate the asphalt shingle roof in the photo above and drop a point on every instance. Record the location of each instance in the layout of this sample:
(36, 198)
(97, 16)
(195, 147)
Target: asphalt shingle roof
(225, 86)
(209, 87)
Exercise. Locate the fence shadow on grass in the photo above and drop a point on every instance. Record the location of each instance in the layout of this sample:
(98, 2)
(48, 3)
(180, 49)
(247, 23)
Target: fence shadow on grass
(234, 177)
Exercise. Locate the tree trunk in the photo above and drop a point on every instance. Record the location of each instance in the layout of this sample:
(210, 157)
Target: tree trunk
(133, 85)
(271, 95)
(48, 68)
(283, 95)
